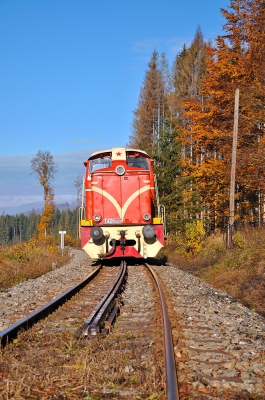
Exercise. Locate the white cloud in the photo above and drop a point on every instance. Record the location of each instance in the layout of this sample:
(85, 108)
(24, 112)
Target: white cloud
(146, 45)
(171, 47)
(11, 201)
(175, 45)
(19, 186)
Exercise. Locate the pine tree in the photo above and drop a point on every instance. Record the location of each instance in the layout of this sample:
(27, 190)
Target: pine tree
(188, 71)
(167, 168)
(148, 117)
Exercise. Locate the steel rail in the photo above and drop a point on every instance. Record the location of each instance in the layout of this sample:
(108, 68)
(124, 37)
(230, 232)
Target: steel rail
(171, 375)
(105, 305)
(25, 323)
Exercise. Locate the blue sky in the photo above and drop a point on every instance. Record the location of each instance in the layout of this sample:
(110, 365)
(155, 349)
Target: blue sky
(70, 78)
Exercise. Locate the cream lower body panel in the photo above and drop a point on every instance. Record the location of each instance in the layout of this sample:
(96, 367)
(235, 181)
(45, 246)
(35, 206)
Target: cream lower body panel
(148, 247)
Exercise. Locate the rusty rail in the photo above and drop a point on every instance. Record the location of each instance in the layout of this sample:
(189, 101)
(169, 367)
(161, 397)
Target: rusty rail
(171, 375)
(105, 306)
(10, 333)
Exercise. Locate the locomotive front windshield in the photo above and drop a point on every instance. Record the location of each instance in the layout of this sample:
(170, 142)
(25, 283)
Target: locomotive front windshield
(138, 162)
(99, 163)
(106, 162)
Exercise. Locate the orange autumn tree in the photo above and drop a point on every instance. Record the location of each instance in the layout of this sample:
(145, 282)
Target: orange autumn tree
(235, 62)
(251, 158)
(45, 167)
(188, 71)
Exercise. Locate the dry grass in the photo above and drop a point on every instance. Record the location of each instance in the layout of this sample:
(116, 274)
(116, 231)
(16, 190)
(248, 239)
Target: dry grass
(60, 367)
(28, 261)
(240, 272)
(56, 365)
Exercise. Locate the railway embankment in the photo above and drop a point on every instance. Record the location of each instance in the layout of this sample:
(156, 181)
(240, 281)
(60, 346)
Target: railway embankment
(25, 297)
(240, 271)
(219, 343)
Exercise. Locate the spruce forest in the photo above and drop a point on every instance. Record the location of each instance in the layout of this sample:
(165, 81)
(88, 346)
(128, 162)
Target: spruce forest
(185, 117)
(19, 228)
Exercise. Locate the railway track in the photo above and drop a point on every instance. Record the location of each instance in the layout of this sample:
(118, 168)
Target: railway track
(219, 344)
(144, 316)
(64, 355)
(25, 323)
(140, 343)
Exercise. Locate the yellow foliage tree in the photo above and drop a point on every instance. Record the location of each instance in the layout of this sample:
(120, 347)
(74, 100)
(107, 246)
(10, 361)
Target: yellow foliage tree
(45, 167)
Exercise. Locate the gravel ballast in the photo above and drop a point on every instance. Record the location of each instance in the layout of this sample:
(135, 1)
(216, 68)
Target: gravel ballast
(19, 300)
(220, 345)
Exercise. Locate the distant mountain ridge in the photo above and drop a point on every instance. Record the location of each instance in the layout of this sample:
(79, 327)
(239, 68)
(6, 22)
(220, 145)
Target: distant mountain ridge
(26, 209)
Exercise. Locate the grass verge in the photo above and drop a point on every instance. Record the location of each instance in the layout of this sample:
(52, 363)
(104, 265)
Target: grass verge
(28, 260)
(240, 272)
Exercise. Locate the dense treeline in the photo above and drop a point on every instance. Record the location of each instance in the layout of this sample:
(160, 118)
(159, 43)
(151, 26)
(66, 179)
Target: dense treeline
(18, 228)
(185, 117)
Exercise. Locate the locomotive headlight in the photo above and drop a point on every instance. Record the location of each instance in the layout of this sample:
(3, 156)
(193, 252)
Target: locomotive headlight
(96, 218)
(149, 231)
(120, 170)
(96, 232)
(146, 217)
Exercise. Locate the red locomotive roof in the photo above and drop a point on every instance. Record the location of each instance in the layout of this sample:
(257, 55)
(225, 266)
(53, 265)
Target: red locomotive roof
(117, 154)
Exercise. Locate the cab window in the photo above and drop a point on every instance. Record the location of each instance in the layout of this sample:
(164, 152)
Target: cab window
(99, 163)
(137, 162)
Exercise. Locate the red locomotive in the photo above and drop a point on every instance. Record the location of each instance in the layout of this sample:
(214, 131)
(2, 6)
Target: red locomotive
(120, 206)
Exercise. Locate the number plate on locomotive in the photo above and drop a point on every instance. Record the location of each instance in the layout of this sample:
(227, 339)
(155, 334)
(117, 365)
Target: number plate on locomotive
(112, 220)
